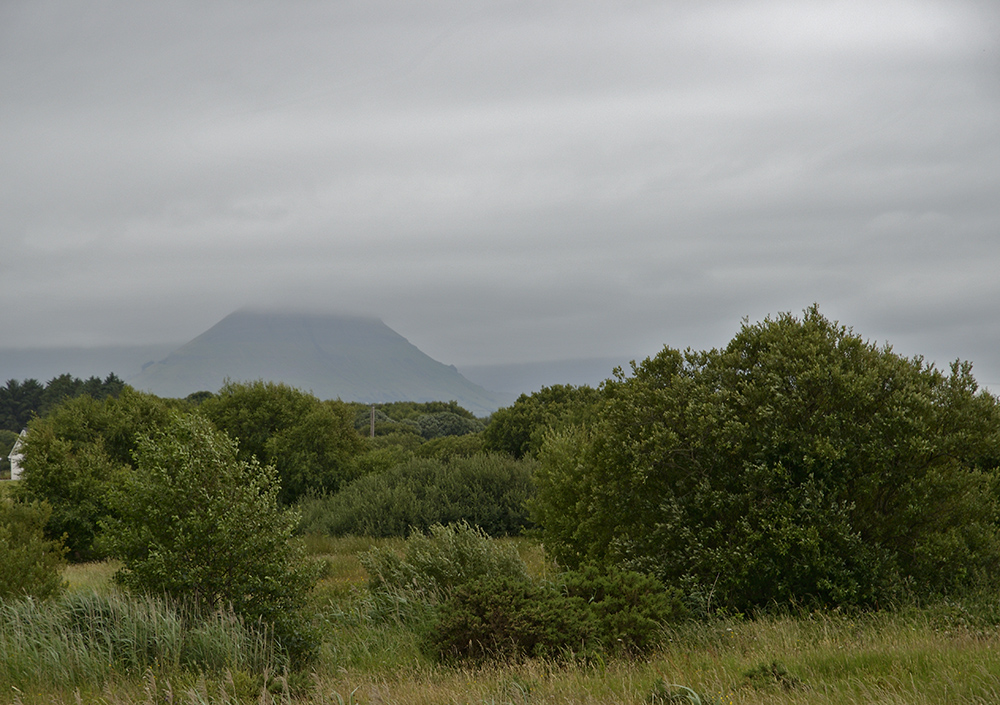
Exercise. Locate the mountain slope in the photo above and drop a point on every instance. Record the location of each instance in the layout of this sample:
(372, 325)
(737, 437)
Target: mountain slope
(346, 357)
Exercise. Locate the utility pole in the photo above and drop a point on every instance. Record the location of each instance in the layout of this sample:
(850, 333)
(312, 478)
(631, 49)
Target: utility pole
(373, 422)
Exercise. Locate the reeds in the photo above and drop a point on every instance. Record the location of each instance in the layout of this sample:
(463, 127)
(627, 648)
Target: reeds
(84, 638)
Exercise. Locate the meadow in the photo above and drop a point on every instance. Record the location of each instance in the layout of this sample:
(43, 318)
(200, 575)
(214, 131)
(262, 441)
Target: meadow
(948, 652)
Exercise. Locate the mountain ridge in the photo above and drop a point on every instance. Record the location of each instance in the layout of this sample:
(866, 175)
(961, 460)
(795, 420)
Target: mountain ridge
(354, 358)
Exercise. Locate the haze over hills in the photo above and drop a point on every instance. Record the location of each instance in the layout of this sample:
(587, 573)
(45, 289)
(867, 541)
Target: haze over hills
(250, 347)
(333, 356)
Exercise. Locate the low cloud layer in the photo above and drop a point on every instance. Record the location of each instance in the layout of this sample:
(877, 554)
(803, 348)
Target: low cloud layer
(503, 181)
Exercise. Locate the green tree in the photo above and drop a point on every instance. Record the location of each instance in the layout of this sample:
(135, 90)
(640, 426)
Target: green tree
(799, 463)
(487, 491)
(310, 442)
(30, 564)
(520, 428)
(77, 454)
(19, 403)
(196, 522)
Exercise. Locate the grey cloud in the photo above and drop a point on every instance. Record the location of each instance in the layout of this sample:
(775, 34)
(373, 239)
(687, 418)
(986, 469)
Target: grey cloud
(503, 182)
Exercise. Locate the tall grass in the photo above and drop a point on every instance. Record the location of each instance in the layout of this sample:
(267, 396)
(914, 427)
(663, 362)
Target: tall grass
(84, 638)
(119, 650)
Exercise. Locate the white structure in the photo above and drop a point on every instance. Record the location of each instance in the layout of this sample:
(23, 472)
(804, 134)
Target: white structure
(16, 455)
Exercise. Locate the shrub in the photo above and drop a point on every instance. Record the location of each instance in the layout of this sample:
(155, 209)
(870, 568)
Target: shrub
(76, 456)
(629, 608)
(582, 613)
(198, 523)
(487, 491)
(30, 564)
(519, 429)
(446, 423)
(799, 464)
(510, 618)
(450, 447)
(310, 442)
(434, 565)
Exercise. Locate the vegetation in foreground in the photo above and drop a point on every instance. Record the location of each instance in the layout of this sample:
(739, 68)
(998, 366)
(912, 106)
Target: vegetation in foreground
(801, 516)
(945, 652)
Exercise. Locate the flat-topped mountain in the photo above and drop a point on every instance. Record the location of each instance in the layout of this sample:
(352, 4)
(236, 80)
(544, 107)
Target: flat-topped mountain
(333, 356)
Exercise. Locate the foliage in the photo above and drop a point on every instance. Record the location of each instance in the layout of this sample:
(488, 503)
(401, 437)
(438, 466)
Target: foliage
(198, 523)
(82, 638)
(487, 491)
(628, 608)
(30, 564)
(412, 410)
(446, 424)
(435, 564)
(81, 451)
(449, 447)
(519, 429)
(428, 420)
(22, 401)
(583, 612)
(19, 403)
(310, 442)
(7, 441)
(508, 618)
(798, 464)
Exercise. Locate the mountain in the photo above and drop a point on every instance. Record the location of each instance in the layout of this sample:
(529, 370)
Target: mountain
(333, 356)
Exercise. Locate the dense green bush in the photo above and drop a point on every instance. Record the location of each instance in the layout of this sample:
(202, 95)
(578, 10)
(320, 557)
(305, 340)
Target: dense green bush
(310, 442)
(449, 447)
(78, 454)
(581, 612)
(197, 523)
(488, 491)
(30, 564)
(446, 423)
(798, 464)
(628, 608)
(433, 565)
(510, 618)
(520, 428)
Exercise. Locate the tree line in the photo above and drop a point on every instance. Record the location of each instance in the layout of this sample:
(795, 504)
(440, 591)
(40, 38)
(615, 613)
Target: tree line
(798, 465)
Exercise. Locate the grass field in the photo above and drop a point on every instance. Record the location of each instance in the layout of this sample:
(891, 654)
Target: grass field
(948, 653)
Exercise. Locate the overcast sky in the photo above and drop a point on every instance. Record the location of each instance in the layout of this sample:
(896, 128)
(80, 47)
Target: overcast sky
(503, 181)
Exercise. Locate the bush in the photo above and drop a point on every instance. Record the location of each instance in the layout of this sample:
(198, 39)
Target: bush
(76, 456)
(434, 565)
(310, 442)
(199, 524)
(629, 608)
(450, 447)
(446, 423)
(509, 619)
(582, 613)
(519, 429)
(487, 491)
(30, 564)
(799, 464)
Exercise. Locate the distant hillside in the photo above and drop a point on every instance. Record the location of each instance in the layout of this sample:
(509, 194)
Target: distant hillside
(346, 357)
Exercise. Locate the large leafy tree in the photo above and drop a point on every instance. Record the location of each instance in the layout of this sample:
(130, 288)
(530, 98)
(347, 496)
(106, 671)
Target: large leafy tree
(195, 522)
(520, 428)
(77, 454)
(310, 442)
(799, 463)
